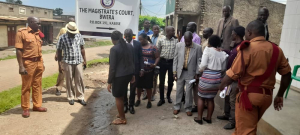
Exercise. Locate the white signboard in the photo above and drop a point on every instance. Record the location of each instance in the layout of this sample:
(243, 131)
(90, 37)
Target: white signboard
(99, 18)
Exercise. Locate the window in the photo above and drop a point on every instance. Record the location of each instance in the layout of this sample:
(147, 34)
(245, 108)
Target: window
(11, 9)
(46, 12)
(22, 11)
(31, 11)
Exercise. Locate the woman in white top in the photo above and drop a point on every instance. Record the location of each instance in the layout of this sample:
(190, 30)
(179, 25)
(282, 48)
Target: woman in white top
(213, 64)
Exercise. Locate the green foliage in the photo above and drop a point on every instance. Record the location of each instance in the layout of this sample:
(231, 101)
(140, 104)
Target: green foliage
(153, 21)
(15, 1)
(98, 43)
(58, 11)
(97, 61)
(12, 97)
(8, 57)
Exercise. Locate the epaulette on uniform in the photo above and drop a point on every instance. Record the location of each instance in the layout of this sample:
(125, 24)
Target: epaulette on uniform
(21, 29)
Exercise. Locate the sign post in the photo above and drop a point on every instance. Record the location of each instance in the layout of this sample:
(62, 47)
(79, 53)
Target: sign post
(99, 18)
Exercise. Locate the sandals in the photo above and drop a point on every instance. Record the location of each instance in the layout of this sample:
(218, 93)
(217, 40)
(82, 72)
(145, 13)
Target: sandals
(119, 121)
(198, 121)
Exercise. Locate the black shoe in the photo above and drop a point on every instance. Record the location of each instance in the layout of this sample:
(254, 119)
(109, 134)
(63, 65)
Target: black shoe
(125, 108)
(198, 121)
(161, 102)
(137, 103)
(208, 121)
(170, 100)
(82, 102)
(71, 102)
(58, 93)
(223, 117)
(131, 109)
(195, 109)
(229, 126)
(149, 105)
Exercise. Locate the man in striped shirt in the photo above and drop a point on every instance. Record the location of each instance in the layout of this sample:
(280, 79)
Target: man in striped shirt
(167, 48)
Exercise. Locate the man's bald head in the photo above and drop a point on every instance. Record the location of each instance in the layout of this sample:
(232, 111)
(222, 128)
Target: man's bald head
(34, 23)
(170, 31)
(128, 35)
(263, 14)
(188, 38)
(71, 19)
(192, 27)
(226, 11)
(255, 29)
(207, 32)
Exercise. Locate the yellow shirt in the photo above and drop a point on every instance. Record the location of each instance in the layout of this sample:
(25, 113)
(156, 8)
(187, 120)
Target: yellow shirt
(61, 32)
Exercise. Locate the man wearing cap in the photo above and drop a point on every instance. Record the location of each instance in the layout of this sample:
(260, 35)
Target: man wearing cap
(60, 78)
(31, 67)
(237, 36)
(73, 62)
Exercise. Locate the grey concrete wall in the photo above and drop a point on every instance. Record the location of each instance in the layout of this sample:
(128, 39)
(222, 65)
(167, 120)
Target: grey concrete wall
(246, 11)
(190, 5)
(37, 12)
(213, 13)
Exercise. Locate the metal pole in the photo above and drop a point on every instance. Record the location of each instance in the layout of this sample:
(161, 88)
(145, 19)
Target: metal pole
(140, 7)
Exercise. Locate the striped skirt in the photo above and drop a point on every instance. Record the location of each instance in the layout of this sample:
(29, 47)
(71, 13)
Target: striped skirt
(209, 83)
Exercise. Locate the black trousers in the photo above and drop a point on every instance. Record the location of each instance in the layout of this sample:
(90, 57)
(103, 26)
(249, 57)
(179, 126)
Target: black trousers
(165, 65)
(132, 93)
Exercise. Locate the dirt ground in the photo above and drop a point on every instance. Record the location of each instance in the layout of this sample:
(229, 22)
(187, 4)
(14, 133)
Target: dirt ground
(95, 118)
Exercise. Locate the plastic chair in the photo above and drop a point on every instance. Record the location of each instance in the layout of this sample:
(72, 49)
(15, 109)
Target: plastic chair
(297, 78)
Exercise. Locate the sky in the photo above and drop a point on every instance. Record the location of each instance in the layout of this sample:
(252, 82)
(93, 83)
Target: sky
(149, 7)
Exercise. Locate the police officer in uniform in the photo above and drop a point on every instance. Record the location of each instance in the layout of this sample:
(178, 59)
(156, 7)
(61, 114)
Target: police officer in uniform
(31, 67)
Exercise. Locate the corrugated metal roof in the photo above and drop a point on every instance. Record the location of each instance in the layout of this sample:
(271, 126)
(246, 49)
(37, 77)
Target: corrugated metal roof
(12, 18)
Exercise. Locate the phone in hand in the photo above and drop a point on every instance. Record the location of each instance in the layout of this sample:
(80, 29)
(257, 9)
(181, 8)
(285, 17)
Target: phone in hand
(84, 67)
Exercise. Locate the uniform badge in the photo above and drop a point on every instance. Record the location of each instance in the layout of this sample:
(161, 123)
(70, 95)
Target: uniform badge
(107, 3)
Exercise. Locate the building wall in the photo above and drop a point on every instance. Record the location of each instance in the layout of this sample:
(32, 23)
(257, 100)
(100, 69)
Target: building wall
(290, 44)
(29, 11)
(212, 13)
(246, 11)
(20, 26)
(189, 6)
(64, 18)
(3, 36)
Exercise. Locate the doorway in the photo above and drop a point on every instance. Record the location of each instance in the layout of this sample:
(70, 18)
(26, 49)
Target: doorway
(11, 35)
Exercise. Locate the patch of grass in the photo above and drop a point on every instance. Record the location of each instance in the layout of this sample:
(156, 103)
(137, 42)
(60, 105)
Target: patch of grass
(48, 51)
(97, 61)
(98, 43)
(8, 57)
(12, 97)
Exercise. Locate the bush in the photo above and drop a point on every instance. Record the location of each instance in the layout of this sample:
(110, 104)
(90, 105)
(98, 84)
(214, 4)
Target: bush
(153, 21)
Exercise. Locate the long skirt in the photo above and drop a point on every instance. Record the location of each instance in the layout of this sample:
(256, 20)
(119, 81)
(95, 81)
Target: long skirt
(209, 83)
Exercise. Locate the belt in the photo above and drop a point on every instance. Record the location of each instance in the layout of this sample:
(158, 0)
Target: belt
(33, 59)
(184, 69)
(166, 60)
(244, 99)
(258, 90)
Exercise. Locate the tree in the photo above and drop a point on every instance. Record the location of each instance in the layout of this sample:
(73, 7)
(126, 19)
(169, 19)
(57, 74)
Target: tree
(58, 11)
(18, 2)
(153, 21)
(15, 1)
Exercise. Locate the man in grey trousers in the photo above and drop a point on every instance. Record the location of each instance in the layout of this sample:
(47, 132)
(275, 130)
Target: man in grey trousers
(185, 69)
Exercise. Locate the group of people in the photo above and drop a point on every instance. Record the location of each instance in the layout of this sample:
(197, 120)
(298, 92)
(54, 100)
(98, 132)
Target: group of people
(201, 69)
(245, 69)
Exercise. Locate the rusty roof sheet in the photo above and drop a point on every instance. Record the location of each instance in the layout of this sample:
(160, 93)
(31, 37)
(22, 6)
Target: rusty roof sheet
(12, 18)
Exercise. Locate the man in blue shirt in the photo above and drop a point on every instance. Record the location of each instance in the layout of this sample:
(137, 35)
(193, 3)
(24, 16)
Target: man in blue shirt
(146, 28)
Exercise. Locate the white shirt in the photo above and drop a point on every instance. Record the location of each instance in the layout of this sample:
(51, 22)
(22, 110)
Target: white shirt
(213, 60)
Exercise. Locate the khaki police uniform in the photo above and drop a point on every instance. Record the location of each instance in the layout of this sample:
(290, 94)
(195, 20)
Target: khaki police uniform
(31, 44)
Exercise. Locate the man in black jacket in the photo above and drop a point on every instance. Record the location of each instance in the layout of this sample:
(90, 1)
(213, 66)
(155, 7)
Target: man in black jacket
(139, 69)
(263, 15)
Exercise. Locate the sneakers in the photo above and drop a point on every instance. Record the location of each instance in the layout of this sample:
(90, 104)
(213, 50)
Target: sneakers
(145, 95)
